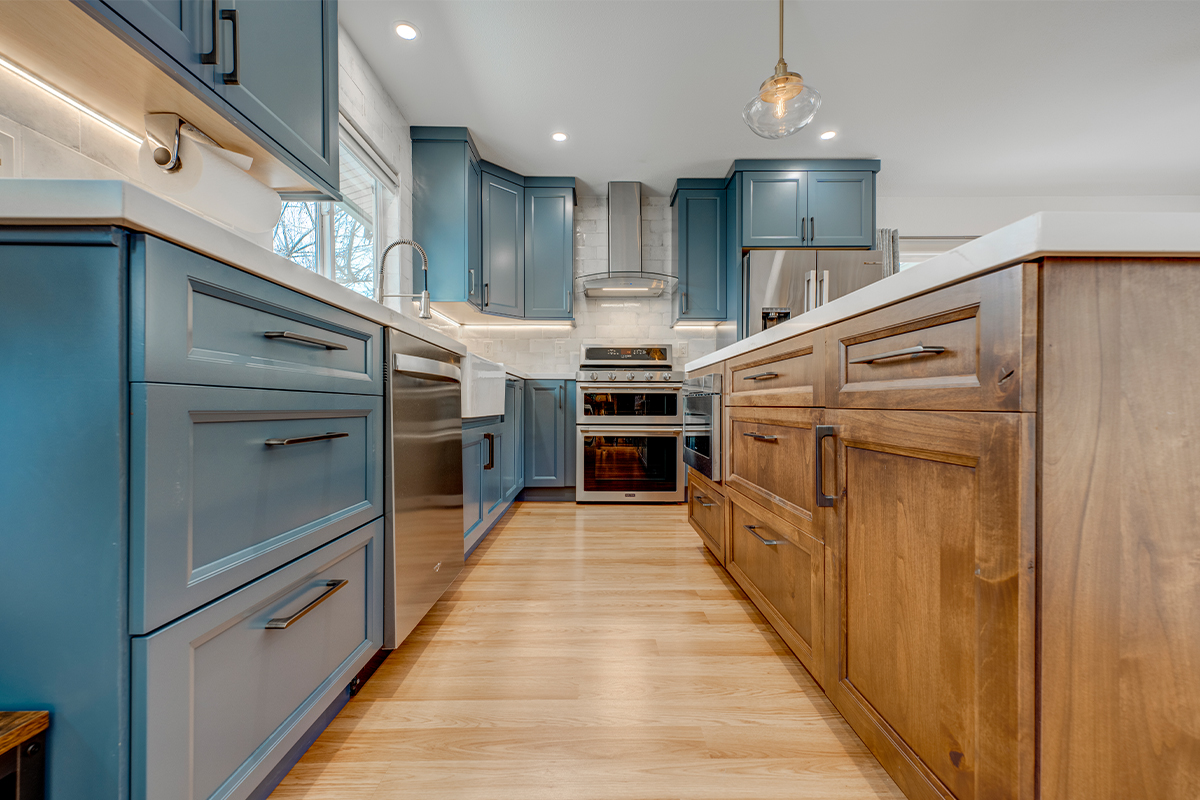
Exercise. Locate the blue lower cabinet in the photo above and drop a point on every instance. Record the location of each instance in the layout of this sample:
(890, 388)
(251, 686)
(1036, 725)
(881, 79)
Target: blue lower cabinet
(512, 455)
(549, 433)
(473, 461)
(220, 695)
(228, 484)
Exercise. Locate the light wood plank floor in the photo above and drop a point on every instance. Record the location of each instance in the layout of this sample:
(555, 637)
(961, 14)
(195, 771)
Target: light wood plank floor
(590, 653)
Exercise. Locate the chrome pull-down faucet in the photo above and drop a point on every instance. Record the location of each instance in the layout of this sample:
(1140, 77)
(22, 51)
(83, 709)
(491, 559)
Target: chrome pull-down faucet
(425, 312)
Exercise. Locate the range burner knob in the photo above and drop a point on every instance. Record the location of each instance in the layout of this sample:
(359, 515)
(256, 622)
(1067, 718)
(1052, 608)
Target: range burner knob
(612, 376)
(593, 376)
(649, 376)
(629, 376)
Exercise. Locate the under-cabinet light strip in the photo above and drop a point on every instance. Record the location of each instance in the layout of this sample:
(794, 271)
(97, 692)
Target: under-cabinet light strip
(458, 324)
(71, 101)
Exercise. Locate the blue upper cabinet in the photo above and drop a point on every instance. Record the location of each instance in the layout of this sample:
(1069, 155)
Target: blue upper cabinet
(806, 203)
(549, 250)
(699, 215)
(775, 209)
(841, 209)
(503, 246)
(503, 242)
(268, 66)
(447, 213)
(278, 67)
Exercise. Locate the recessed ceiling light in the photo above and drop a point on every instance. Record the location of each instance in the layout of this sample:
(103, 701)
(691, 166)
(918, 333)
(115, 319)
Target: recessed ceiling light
(828, 134)
(559, 136)
(406, 30)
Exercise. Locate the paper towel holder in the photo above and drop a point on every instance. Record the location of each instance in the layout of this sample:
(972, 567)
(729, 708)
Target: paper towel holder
(163, 131)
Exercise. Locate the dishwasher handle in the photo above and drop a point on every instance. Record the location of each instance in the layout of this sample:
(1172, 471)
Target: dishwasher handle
(426, 368)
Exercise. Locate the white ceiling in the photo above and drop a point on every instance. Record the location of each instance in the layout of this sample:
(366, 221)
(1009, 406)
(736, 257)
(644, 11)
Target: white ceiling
(958, 98)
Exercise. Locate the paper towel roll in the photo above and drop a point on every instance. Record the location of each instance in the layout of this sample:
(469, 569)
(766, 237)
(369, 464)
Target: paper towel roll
(210, 183)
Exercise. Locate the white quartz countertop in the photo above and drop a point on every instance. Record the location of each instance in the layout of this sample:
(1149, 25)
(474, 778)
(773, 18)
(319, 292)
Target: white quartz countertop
(35, 201)
(1043, 234)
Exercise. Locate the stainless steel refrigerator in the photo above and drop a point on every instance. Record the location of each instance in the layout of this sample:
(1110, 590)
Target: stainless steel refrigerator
(423, 481)
(783, 284)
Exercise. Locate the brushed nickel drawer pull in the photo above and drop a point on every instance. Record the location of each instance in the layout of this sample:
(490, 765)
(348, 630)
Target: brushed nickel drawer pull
(317, 437)
(919, 350)
(299, 337)
(701, 498)
(761, 376)
(279, 623)
(769, 542)
(760, 436)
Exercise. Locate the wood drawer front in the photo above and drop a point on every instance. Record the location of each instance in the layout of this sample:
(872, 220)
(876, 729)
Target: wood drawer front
(930, 641)
(219, 698)
(706, 513)
(789, 373)
(213, 506)
(196, 320)
(986, 329)
(786, 580)
(770, 458)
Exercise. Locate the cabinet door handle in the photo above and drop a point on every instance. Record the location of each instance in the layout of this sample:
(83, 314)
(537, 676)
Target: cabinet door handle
(812, 229)
(211, 57)
(559, 392)
(822, 432)
(770, 542)
(279, 623)
(316, 437)
(299, 337)
(701, 498)
(760, 376)
(471, 282)
(486, 295)
(919, 350)
(760, 437)
(802, 232)
(491, 440)
(683, 302)
(231, 78)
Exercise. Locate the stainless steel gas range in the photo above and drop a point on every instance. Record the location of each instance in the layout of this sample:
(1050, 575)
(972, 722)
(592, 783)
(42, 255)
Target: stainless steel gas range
(629, 425)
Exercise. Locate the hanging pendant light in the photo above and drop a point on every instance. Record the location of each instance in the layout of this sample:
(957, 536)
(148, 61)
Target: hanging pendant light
(784, 104)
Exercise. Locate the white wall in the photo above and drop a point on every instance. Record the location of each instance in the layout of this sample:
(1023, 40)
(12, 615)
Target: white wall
(624, 320)
(975, 216)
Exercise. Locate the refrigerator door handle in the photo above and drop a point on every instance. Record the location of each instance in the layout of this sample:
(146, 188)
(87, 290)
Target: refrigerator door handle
(824, 287)
(810, 290)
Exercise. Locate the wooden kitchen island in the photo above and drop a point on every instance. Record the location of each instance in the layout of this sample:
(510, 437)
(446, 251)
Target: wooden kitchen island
(966, 497)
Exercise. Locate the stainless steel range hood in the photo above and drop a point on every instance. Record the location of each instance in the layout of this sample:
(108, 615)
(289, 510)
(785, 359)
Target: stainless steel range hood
(625, 276)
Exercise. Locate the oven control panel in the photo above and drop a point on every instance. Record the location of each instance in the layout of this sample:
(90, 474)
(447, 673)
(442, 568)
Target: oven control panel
(616, 375)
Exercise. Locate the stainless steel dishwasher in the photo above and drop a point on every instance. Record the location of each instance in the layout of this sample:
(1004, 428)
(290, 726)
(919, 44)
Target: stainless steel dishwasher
(423, 481)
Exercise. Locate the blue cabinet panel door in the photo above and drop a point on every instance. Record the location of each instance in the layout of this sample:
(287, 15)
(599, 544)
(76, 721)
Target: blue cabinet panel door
(774, 209)
(503, 246)
(549, 250)
(701, 243)
(545, 426)
(841, 209)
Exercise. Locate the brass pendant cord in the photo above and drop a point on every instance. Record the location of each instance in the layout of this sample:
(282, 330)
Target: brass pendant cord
(781, 30)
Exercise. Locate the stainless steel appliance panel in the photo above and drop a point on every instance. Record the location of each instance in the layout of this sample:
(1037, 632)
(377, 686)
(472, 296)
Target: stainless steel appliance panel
(629, 464)
(840, 272)
(628, 404)
(783, 284)
(702, 425)
(424, 543)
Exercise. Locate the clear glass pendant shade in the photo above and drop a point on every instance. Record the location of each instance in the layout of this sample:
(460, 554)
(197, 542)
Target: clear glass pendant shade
(783, 105)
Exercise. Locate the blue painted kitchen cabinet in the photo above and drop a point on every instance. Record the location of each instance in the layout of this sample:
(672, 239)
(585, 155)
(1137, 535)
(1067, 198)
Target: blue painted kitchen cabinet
(503, 245)
(698, 209)
(501, 241)
(447, 209)
(549, 252)
(806, 203)
(493, 465)
(168, 494)
(549, 433)
(272, 71)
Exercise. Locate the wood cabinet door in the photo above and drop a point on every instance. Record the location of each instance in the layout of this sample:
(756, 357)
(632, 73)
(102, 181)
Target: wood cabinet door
(770, 456)
(931, 596)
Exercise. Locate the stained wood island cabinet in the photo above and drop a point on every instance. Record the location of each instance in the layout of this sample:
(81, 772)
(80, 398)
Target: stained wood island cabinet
(998, 475)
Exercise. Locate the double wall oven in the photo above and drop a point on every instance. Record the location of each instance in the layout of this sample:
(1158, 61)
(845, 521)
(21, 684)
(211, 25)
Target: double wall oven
(629, 426)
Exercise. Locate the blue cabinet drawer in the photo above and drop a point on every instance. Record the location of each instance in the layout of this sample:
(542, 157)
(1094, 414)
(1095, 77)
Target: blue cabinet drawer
(196, 320)
(228, 484)
(219, 697)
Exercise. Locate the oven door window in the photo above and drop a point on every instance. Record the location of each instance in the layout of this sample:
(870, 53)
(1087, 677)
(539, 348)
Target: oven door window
(629, 404)
(624, 463)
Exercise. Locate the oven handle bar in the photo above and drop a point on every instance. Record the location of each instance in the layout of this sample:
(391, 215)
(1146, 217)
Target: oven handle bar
(613, 387)
(630, 430)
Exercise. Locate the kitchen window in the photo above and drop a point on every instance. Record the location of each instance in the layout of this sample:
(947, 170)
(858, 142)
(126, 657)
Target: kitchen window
(338, 240)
